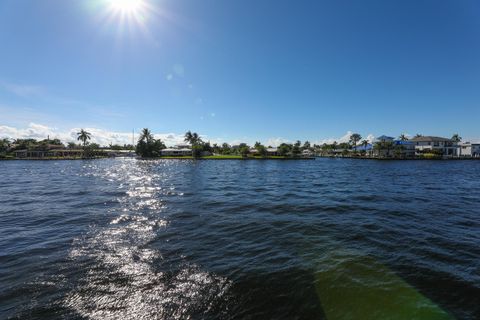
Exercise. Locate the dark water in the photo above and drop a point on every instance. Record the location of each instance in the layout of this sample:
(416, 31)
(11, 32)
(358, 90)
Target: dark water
(324, 239)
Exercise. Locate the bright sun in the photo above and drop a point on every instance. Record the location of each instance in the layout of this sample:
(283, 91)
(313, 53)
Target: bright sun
(126, 6)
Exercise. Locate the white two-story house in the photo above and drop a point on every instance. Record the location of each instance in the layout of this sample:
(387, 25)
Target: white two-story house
(444, 146)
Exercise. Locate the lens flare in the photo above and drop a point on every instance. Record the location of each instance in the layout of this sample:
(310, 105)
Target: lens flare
(126, 6)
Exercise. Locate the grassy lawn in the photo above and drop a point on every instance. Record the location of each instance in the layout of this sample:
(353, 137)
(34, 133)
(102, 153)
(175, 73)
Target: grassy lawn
(224, 157)
(176, 157)
(229, 157)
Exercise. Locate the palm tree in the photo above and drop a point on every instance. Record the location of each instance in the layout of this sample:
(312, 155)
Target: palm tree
(354, 138)
(418, 135)
(196, 142)
(403, 137)
(84, 136)
(193, 138)
(365, 144)
(456, 138)
(146, 136)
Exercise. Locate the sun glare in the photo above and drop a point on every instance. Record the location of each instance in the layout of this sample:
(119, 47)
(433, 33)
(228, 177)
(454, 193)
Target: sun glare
(126, 6)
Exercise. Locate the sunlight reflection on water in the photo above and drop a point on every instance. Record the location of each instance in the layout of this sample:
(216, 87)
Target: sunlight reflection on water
(122, 281)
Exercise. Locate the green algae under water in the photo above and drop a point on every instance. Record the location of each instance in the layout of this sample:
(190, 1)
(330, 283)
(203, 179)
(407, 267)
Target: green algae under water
(363, 288)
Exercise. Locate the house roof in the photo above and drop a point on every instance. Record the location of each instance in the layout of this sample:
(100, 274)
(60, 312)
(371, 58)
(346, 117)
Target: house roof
(403, 143)
(385, 138)
(175, 150)
(430, 139)
(363, 148)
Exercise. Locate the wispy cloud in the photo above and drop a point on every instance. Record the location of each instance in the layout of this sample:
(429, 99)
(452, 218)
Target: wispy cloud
(43, 96)
(22, 90)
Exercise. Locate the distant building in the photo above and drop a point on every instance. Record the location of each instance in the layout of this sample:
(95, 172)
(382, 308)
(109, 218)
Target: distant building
(444, 146)
(272, 151)
(468, 149)
(384, 139)
(54, 153)
(388, 147)
(173, 152)
(269, 152)
(362, 147)
(407, 147)
(307, 153)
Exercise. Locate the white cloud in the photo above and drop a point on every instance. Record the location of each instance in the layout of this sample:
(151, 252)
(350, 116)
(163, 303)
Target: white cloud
(169, 77)
(370, 138)
(345, 138)
(275, 142)
(170, 139)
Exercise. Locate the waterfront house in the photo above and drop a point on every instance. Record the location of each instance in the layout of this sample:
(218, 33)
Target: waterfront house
(254, 152)
(307, 153)
(269, 152)
(363, 148)
(173, 152)
(44, 154)
(272, 152)
(405, 148)
(179, 150)
(468, 149)
(431, 144)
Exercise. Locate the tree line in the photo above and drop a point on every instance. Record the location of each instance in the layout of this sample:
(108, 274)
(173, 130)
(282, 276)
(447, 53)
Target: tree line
(83, 137)
(150, 147)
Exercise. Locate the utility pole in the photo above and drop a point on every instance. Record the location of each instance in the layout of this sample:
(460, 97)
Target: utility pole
(133, 138)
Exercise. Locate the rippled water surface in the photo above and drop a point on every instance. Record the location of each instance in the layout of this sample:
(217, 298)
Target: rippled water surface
(168, 239)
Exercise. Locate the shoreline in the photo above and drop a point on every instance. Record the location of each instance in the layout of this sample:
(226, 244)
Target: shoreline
(402, 159)
(220, 158)
(162, 158)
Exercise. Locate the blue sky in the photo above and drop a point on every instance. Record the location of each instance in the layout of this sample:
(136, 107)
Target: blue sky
(241, 70)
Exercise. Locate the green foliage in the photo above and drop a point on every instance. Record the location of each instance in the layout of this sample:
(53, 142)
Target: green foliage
(226, 149)
(354, 139)
(296, 151)
(207, 147)
(72, 145)
(306, 145)
(120, 147)
(244, 150)
(4, 145)
(193, 138)
(344, 145)
(197, 151)
(84, 136)
(148, 146)
(437, 152)
(24, 144)
(284, 149)
(261, 149)
(456, 138)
